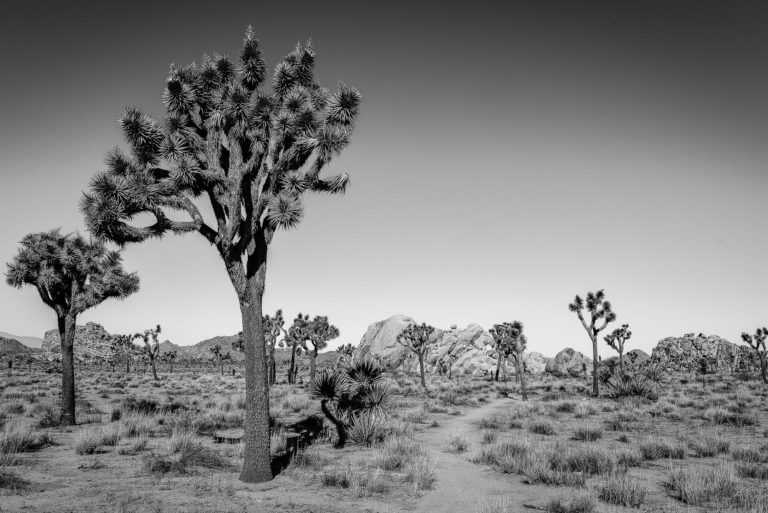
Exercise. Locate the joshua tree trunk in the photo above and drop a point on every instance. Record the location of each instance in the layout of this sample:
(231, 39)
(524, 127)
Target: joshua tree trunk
(421, 371)
(498, 366)
(763, 368)
(621, 361)
(312, 356)
(256, 464)
(521, 375)
(291, 372)
(67, 327)
(595, 366)
(154, 370)
(341, 429)
(271, 366)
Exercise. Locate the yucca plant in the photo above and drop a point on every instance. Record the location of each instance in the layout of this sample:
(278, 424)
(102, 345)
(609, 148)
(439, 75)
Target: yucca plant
(351, 392)
(757, 342)
(598, 308)
(72, 275)
(251, 153)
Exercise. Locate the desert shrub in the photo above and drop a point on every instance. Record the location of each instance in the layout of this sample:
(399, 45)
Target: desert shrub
(632, 385)
(587, 434)
(565, 407)
(420, 474)
(748, 454)
(11, 480)
(590, 460)
(136, 424)
(698, 485)
(134, 447)
(16, 407)
(396, 453)
(579, 504)
(706, 445)
(458, 443)
(88, 441)
(541, 428)
(48, 415)
(620, 490)
(720, 415)
(367, 428)
(144, 405)
(188, 455)
(487, 436)
(655, 448)
(492, 422)
(752, 470)
(18, 437)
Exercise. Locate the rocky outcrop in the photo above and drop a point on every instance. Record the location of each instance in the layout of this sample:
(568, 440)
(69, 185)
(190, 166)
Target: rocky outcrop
(569, 363)
(689, 352)
(92, 341)
(10, 347)
(466, 351)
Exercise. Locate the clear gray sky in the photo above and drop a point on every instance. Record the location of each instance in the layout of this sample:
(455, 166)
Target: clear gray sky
(507, 156)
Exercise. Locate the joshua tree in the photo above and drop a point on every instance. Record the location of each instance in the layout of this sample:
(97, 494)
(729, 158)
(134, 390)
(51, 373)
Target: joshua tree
(757, 342)
(124, 350)
(501, 348)
(598, 308)
(273, 327)
(71, 275)
(251, 153)
(346, 349)
(616, 339)
(318, 333)
(509, 340)
(295, 337)
(218, 357)
(415, 338)
(151, 348)
(169, 357)
(349, 393)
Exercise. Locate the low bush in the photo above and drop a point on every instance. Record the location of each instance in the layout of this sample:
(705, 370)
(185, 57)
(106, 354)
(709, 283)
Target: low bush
(620, 490)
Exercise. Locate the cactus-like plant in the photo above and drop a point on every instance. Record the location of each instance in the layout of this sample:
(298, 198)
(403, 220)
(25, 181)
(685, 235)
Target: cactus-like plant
(598, 308)
(510, 341)
(169, 357)
(757, 342)
(151, 348)
(616, 340)
(415, 338)
(350, 392)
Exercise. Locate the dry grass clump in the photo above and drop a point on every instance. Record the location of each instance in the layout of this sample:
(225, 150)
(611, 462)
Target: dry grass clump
(368, 428)
(655, 448)
(590, 460)
(587, 434)
(136, 425)
(458, 443)
(620, 490)
(699, 485)
(134, 447)
(541, 428)
(752, 470)
(502, 504)
(723, 416)
(419, 474)
(18, 437)
(748, 455)
(89, 440)
(578, 504)
(397, 452)
(11, 480)
(708, 444)
(362, 483)
(182, 454)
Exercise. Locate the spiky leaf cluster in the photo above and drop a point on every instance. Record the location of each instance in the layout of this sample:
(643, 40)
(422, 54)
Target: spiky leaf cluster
(618, 337)
(70, 273)
(756, 341)
(318, 333)
(597, 307)
(251, 150)
(415, 337)
(509, 339)
(354, 389)
(151, 341)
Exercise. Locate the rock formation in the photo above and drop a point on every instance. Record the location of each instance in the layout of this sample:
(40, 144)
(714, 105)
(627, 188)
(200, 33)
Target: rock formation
(91, 341)
(685, 354)
(467, 351)
(569, 363)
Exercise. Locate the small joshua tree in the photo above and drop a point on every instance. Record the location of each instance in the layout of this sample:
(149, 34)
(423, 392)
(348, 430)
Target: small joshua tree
(349, 393)
(124, 350)
(71, 275)
(319, 332)
(218, 356)
(169, 357)
(598, 308)
(415, 338)
(616, 339)
(509, 340)
(757, 342)
(273, 327)
(297, 333)
(346, 349)
(151, 348)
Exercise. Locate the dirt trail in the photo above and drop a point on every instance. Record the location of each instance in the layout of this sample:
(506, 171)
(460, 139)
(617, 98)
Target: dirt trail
(462, 485)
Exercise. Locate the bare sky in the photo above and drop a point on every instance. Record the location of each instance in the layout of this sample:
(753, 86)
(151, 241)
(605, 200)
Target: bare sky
(507, 156)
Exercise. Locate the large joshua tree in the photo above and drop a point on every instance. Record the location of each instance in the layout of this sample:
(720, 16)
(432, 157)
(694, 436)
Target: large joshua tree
(251, 153)
(71, 275)
(509, 340)
(598, 308)
(415, 338)
(757, 342)
(616, 340)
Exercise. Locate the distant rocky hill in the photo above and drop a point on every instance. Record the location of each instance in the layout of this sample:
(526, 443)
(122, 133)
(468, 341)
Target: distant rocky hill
(33, 342)
(14, 348)
(91, 341)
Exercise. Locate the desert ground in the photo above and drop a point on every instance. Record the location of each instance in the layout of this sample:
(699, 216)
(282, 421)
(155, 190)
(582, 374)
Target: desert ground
(465, 445)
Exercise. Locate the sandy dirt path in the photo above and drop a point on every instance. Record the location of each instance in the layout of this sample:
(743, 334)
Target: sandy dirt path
(461, 484)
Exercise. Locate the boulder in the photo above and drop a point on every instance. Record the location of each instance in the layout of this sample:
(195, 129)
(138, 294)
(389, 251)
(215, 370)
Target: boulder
(689, 352)
(91, 341)
(569, 363)
(466, 351)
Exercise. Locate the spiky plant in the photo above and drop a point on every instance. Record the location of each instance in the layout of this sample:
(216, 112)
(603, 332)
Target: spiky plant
(151, 348)
(169, 357)
(124, 350)
(415, 338)
(616, 340)
(273, 327)
(350, 392)
(251, 153)
(297, 333)
(71, 275)
(509, 340)
(319, 333)
(757, 342)
(218, 356)
(598, 308)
